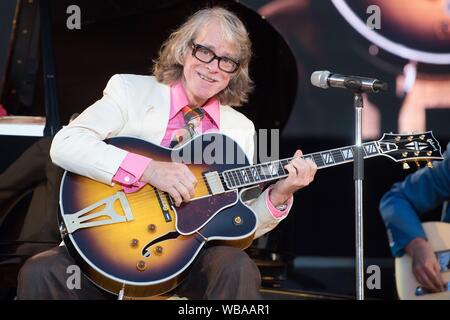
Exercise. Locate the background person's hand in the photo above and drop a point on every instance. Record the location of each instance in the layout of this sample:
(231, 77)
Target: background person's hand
(425, 265)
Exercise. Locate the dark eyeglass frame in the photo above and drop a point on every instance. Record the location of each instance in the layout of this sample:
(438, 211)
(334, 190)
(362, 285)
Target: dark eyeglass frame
(196, 46)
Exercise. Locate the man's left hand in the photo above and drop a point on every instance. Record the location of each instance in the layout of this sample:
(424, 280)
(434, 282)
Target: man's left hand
(301, 174)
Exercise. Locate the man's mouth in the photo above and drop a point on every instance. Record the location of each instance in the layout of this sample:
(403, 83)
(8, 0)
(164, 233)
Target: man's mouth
(210, 80)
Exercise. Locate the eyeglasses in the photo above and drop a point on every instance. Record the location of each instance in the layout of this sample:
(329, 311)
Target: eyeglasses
(206, 55)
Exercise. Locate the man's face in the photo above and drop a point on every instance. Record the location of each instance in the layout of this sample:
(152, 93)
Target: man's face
(204, 80)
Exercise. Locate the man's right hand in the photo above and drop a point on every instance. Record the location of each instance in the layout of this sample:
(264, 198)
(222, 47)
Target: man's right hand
(425, 265)
(173, 178)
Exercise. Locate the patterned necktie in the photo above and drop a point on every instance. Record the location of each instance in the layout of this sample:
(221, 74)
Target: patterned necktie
(192, 118)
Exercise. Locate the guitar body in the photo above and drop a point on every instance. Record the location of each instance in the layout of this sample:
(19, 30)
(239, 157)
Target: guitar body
(438, 234)
(137, 241)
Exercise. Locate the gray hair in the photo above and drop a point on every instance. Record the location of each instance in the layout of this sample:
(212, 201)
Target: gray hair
(168, 68)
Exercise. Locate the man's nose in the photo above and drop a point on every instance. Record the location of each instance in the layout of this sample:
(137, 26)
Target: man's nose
(214, 65)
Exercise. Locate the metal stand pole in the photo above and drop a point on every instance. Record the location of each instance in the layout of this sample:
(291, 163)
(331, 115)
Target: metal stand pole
(48, 66)
(358, 173)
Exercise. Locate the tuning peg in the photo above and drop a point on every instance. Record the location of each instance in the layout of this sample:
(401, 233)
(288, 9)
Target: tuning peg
(429, 164)
(406, 166)
(397, 138)
(429, 153)
(404, 154)
(422, 137)
(416, 153)
(410, 138)
(417, 164)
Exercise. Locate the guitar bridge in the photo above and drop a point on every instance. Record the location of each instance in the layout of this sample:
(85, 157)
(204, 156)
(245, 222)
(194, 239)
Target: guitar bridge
(83, 218)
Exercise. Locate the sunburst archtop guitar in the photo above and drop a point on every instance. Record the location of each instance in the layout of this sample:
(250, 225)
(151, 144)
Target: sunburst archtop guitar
(140, 244)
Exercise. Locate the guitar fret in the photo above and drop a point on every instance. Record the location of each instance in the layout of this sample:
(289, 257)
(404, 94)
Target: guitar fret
(271, 170)
(231, 179)
(280, 169)
(371, 148)
(238, 174)
(318, 160)
(236, 178)
(364, 151)
(283, 163)
(347, 153)
(327, 158)
(254, 173)
(275, 168)
(337, 155)
(247, 175)
(227, 178)
(262, 171)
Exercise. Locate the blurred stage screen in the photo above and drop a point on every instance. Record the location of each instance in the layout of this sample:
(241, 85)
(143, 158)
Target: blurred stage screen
(409, 49)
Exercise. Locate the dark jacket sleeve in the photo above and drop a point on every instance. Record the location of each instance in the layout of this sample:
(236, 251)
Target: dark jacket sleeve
(402, 206)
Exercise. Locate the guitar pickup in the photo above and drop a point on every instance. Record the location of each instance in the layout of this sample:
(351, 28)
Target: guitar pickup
(164, 204)
(213, 182)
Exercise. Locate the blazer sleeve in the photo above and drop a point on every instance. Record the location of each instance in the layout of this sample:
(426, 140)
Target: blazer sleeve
(402, 206)
(79, 147)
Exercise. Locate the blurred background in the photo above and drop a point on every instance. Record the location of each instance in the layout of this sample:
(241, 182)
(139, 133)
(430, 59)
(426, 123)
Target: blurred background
(50, 68)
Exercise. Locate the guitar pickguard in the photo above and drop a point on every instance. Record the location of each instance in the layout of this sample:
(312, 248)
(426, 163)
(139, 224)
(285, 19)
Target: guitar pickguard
(194, 215)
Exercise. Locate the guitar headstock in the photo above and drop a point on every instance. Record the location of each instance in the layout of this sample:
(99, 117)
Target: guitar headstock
(416, 147)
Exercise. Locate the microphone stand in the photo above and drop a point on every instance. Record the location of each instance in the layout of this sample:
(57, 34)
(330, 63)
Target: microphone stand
(324, 79)
(358, 174)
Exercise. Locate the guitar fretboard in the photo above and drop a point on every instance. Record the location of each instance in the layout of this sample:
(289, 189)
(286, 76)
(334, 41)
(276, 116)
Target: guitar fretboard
(250, 175)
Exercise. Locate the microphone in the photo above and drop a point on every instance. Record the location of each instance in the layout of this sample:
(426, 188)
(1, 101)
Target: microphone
(325, 79)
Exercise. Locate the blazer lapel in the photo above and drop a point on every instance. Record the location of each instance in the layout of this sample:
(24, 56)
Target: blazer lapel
(157, 113)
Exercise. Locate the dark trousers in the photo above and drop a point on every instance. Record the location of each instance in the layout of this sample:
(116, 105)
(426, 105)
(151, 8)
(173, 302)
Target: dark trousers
(218, 273)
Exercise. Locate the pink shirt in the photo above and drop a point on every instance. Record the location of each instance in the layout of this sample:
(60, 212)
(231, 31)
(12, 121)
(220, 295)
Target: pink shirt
(178, 100)
(133, 166)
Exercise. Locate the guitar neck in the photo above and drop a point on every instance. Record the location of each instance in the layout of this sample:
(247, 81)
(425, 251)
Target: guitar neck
(273, 170)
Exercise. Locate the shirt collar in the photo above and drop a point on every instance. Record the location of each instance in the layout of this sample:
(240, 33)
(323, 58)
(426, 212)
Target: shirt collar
(179, 99)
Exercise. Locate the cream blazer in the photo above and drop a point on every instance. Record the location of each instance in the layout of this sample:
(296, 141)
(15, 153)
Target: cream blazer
(138, 106)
